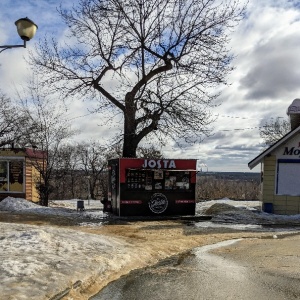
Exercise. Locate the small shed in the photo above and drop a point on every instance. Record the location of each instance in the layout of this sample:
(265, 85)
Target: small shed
(19, 175)
(280, 167)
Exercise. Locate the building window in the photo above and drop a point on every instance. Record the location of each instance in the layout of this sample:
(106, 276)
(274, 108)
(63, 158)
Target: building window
(12, 176)
(288, 174)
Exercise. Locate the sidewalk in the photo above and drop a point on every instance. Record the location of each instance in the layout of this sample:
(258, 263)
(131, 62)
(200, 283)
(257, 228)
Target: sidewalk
(277, 254)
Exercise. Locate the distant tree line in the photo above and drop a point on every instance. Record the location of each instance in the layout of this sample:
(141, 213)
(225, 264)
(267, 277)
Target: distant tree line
(80, 169)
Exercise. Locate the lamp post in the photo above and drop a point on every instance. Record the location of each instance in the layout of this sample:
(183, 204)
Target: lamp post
(26, 30)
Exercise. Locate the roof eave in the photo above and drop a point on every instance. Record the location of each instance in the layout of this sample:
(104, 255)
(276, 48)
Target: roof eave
(253, 163)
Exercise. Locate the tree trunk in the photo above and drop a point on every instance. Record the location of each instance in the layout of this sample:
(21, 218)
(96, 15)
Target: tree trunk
(130, 140)
(44, 195)
(92, 189)
(129, 146)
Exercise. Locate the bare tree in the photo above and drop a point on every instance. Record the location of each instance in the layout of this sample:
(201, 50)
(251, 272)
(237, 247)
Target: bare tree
(47, 128)
(12, 122)
(273, 130)
(155, 62)
(66, 179)
(93, 163)
(80, 170)
(150, 152)
(141, 152)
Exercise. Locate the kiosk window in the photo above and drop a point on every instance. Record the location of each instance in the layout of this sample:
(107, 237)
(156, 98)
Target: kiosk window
(157, 180)
(177, 180)
(136, 179)
(3, 176)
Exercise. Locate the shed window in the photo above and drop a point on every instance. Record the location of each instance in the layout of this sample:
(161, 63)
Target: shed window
(11, 176)
(288, 177)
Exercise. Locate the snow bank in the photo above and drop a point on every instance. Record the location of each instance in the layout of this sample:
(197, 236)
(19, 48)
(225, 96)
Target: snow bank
(67, 208)
(250, 205)
(245, 212)
(17, 204)
(38, 261)
(222, 210)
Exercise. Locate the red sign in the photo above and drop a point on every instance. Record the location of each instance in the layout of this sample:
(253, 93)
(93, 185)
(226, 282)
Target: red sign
(153, 164)
(184, 201)
(131, 202)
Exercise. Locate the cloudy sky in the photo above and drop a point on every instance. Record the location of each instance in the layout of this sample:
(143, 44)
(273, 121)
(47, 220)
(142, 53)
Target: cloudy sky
(264, 83)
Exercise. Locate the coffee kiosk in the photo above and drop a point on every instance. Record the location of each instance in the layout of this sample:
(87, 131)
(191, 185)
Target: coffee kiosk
(147, 187)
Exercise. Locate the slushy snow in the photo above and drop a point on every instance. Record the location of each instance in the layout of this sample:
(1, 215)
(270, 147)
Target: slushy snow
(37, 261)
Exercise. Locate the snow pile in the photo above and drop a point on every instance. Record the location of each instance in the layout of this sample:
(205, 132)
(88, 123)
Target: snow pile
(37, 261)
(243, 212)
(68, 208)
(17, 204)
(222, 211)
(249, 205)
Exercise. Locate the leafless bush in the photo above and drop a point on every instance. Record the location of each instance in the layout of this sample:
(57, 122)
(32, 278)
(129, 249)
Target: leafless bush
(209, 187)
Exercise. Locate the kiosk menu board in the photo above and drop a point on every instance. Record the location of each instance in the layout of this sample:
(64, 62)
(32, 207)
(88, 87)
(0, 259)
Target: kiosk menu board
(145, 187)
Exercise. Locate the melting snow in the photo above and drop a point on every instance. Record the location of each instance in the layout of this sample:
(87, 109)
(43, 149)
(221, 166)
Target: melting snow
(46, 256)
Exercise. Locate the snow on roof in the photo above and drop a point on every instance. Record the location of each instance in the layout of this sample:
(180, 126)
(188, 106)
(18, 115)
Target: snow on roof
(294, 108)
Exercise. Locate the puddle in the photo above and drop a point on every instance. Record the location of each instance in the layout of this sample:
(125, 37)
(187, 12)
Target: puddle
(226, 225)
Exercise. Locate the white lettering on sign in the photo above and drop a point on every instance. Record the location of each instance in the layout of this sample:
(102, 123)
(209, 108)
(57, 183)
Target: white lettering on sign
(165, 163)
(158, 203)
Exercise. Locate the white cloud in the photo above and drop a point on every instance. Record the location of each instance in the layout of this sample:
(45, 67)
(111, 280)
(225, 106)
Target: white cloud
(266, 45)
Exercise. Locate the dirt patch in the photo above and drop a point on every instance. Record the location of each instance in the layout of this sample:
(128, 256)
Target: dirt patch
(36, 219)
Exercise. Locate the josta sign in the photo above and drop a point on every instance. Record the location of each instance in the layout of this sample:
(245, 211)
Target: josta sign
(159, 163)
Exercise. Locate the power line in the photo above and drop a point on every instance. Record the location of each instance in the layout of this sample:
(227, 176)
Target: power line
(77, 117)
(243, 118)
(235, 117)
(240, 129)
(224, 116)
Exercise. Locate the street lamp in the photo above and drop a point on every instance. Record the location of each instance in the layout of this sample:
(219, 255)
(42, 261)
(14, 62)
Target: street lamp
(26, 30)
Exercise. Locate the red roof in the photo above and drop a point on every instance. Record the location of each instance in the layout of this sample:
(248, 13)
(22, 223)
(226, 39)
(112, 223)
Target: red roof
(34, 153)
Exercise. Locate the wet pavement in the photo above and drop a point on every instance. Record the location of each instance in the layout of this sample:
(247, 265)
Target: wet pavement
(199, 274)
